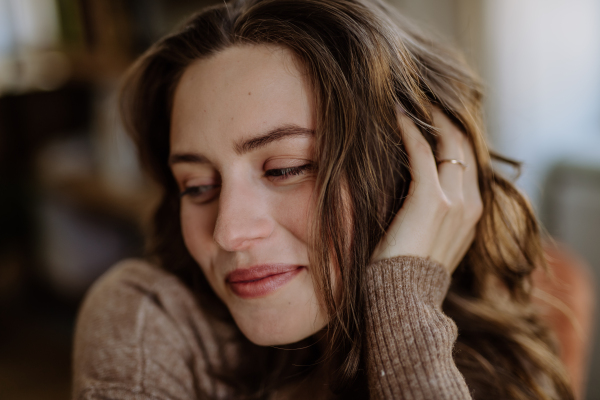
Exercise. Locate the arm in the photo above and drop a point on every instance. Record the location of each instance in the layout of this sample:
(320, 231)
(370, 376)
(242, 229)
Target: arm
(409, 339)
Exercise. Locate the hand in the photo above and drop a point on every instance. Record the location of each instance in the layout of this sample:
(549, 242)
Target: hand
(439, 216)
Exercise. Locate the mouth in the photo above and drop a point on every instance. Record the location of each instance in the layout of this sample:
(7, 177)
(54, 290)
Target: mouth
(261, 280)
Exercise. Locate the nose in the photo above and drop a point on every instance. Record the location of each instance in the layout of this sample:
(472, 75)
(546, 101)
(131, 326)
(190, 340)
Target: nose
(243, 217)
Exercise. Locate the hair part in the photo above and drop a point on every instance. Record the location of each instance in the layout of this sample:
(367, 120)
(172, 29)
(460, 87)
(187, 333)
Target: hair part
(363, 60)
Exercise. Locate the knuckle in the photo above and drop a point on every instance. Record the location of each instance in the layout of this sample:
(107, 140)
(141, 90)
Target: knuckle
(475, 210)
(456, 134)
(479, 210)
(459, 201)
(443, 204)
(459, 207)
(422, 146)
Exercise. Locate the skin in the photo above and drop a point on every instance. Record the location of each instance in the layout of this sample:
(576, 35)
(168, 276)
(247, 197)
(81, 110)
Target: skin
(245, 204)
(440, 214)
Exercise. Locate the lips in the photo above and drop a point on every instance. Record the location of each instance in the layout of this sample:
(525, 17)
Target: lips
(261, 280)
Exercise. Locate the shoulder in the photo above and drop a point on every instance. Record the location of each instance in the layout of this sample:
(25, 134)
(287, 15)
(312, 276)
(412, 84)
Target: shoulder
(135, 291)
(138, 326)
(133, 271)
(137, 281)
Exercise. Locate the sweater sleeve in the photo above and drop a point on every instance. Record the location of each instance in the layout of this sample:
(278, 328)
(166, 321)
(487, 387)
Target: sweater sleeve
(409, 339)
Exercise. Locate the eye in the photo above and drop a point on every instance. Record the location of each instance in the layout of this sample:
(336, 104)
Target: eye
(285, 173)
(200, 194)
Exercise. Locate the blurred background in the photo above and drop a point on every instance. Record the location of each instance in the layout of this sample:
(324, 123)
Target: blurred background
(73, 200)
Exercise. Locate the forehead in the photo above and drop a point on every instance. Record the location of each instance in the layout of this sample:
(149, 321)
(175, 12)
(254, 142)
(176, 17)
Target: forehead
(237, 93)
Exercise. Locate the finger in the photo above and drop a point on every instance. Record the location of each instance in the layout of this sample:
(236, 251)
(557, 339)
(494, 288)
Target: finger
(411, 224)
(420, 156)
(472, 206)
(472, 194)
(450, 147)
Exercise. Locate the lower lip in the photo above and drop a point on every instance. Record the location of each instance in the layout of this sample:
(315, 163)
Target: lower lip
(264, 286)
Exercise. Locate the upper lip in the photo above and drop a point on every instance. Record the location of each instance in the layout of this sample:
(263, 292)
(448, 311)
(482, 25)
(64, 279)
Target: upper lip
(258, 272)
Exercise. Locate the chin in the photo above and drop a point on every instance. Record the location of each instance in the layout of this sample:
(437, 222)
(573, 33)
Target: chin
(264, 336)
(275, 329)
(288, 315)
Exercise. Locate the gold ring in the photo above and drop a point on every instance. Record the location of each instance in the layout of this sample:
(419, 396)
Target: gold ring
(452, 161)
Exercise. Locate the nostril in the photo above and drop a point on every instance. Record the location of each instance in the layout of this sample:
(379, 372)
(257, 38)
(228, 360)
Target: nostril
(243, 216)
(236, 235)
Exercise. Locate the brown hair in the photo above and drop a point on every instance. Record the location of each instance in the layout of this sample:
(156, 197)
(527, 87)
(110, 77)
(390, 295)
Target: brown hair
(363, 59)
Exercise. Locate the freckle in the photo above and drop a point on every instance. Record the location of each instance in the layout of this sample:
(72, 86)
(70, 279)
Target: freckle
(249, 93)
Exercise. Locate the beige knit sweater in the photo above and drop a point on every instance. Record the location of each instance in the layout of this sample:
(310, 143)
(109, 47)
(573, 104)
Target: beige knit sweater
(141, 335)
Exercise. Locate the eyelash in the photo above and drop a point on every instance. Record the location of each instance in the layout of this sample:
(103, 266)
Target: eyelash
(284, 173)
(197, 191)
(275, 174)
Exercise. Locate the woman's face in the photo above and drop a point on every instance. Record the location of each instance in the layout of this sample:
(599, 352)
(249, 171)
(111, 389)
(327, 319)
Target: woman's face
(242, 154)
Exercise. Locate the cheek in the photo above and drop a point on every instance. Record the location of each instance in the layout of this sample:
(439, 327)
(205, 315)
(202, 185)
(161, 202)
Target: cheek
(295, 211)
(197, 226)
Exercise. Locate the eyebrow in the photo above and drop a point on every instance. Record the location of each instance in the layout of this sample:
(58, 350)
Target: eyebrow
(247, 145)
(273, 135)
(190, 158)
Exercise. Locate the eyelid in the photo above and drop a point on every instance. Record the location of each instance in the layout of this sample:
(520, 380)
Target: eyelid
(195, 179)
(287, 162)
(278, 174)
(204, 193)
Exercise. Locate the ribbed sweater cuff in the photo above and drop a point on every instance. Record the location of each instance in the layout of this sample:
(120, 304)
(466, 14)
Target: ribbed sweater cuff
(410, 340)
(421, 276)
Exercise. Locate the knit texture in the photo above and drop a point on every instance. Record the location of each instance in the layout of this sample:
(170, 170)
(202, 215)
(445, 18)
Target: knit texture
(141, 335)
(410, 340)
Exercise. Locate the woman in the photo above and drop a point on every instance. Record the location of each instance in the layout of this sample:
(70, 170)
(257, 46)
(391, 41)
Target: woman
(286, 135)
